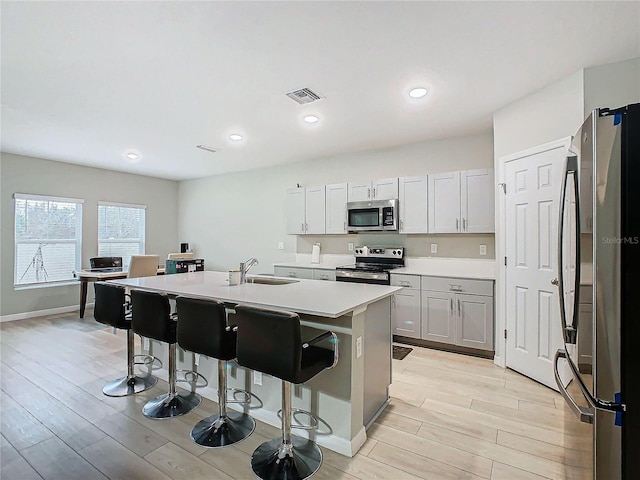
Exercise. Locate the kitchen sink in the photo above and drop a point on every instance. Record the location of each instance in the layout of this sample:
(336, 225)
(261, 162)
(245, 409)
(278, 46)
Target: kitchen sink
(270, 280)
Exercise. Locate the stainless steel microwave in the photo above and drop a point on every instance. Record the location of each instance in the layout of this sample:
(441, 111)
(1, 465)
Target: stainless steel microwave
(372, 216)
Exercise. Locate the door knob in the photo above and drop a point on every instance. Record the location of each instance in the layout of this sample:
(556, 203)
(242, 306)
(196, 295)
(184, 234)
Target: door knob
(554, 282)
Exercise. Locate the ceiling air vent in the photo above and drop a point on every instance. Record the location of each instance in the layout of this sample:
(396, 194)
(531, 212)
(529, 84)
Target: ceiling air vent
(304, 96)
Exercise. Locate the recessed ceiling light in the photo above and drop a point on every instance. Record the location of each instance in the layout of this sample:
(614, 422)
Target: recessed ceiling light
(418, 92)
(132, 155)
(235, 137)
(311, 119)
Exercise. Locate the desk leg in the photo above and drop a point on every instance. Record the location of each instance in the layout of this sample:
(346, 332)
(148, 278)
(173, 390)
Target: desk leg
(83, 296)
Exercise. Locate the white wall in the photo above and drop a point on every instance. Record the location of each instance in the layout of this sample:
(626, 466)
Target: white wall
(36, 176)
(612, 85)
(229, 218)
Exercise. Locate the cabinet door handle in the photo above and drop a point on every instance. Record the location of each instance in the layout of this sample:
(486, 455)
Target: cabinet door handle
(464, 224)
(374, 193)
(368, 193)
(302, 227)
(401, 225)
(459, 308)
(393, 300)
(404, 283)
(457, 222)
(345, 226)
(455, 288)
(293, 275)
(451, 305)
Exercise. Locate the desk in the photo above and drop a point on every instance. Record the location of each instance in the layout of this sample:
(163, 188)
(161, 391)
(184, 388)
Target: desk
(349, 397)
(86, 276)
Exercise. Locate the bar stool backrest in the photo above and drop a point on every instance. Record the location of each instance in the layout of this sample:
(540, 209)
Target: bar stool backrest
(269, 341)
(110, 305)
(202, 328)
(151, 316)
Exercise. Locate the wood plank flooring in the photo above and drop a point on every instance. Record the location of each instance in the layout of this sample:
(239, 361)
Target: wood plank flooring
(452, 417)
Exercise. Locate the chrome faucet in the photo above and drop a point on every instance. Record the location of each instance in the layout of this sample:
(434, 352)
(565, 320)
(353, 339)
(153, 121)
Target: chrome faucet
(244, 268)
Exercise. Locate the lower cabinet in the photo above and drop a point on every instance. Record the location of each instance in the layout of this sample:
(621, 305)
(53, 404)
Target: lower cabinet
(405, 306)
(309, 273)
(458, 312)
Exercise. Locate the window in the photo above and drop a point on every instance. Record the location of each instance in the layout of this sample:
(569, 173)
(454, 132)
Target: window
(48, 239)
(120, 230)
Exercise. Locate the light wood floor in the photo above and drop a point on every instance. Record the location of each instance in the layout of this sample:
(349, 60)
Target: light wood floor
(451, 417)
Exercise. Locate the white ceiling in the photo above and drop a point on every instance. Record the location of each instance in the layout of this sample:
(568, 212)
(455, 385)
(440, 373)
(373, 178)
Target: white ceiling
(86, 82)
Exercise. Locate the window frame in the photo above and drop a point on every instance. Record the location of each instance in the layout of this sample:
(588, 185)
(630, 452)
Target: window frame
(141, 242)
(77, 241)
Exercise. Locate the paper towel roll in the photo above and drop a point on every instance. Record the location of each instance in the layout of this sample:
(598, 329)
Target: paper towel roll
(315, 253)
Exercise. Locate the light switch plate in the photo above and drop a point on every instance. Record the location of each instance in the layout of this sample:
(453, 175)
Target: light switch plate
(350, 246)
(257, 378)
(483, 249)
(434, 248)
(280, 245)
(358, 347)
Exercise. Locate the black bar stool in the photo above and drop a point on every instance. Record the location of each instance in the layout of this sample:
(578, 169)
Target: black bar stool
(110, 309)
(202, 328)
(151, 317)
(270, 341)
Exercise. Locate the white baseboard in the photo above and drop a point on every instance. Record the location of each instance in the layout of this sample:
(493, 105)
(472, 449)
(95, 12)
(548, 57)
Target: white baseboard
(41, 313)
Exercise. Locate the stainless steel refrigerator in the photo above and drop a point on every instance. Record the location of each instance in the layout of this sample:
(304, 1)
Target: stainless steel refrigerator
(599, 255)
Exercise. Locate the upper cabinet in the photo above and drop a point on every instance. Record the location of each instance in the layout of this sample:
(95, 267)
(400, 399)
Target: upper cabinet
(461, 202)
(306, 210)
(336, 208)
(383, 189)
(412, 204)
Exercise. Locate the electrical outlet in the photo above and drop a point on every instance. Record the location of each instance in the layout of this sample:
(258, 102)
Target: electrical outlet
(351, 246)
(257, 378)
(434, 248)
(280, 245)
(483, 249)
(196, 359)
(145, 343)
(358, 347)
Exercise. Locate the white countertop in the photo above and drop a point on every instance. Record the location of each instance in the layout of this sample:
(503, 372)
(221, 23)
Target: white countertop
(311, 297)
(473, 268)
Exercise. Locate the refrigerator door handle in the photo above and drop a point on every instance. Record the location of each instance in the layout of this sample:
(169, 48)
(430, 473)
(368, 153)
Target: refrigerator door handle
(585, 414)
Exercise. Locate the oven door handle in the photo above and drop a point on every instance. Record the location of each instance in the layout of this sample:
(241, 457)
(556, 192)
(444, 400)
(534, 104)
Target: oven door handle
(361, 276)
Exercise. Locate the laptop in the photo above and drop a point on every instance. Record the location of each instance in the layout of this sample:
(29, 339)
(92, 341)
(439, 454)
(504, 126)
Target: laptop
(106, 264)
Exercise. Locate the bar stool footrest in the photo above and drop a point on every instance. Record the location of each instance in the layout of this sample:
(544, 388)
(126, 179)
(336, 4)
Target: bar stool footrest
(147, 360)
(245, 401)
(275, 460)
(313, 420)
(216, 431)
(125, 386)
(191, 377)
(167, 406)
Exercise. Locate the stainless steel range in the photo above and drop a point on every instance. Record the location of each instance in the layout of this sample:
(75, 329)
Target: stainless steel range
(373, 265)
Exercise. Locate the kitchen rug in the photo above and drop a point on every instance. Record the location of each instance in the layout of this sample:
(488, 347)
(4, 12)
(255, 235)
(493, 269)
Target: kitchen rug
(400, 352)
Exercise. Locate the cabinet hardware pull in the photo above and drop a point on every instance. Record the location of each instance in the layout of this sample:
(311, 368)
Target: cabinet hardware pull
(368, 193)
(302, 226)
(455, 288)
(345, 226)
(451, 305)
(457, 229)
(459, 308)
(464, 224)
(401, 225)
(374, 193)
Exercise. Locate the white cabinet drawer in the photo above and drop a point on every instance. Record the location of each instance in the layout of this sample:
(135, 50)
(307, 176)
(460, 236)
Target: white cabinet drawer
(293, 272)
(458, 285)
(322, 274)
(408, 281)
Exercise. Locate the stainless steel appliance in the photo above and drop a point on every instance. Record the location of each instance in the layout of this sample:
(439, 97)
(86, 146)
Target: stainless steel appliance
(599, 237)
(372, 216)
(373, 265)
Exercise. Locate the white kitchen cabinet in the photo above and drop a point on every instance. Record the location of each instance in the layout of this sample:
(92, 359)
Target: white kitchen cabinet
(444, 202)
(405, 306)
(295, 208)
(458, 312)
(382, 189)
(293, 272)
(336, 208)
(324, 274)
(461, 202)
(438, 317)
(477, 199)
(315, 210)
(305, 210)
(412, 204)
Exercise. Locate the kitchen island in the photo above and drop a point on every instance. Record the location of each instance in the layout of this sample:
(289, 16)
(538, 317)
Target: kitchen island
(346, 399)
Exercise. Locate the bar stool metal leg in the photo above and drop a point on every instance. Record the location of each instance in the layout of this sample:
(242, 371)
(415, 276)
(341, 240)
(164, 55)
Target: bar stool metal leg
(226, 428)
(289, 457)
(171, 404)
(132, 383)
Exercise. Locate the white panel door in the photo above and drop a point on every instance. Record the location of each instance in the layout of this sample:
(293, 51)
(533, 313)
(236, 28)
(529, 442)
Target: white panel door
(477, 197)
(405, 313)
(413, 204)
(384, 189)
(444, 202)
(295, 211)
(359, 191)
(336, 208)
(314, 210)
(534, 333)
